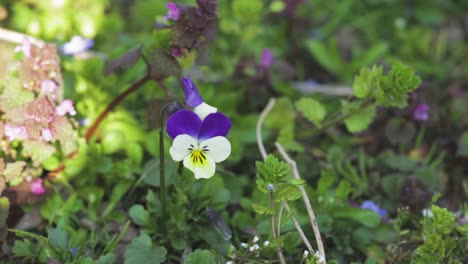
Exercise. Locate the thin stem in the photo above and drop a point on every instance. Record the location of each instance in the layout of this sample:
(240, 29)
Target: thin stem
(280, 214)
(261, 119)
(336, 120)
(162, 176)
(112, 104)
(299, 229)
(16, 37)
(310, 211)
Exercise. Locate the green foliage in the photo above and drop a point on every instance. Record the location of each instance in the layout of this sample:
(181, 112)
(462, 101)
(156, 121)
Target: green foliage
(200, 256)
(312, 109)
(271, 171)
(141, 249)
(360, 116)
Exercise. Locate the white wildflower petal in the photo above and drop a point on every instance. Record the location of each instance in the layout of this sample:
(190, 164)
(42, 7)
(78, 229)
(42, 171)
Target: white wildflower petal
(219, 148)
(202, 165)
(181, 147)
(255, 239)
(204, 109)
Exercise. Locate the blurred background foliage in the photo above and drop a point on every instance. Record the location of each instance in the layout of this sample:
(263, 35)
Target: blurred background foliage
(318, 48)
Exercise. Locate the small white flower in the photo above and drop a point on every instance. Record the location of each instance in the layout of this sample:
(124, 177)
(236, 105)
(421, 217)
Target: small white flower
(255, 239)
(229, 262)
(319, 257)
(426, 212)
(255, 246)
(305, 254)
(266, 243)
(244, 245)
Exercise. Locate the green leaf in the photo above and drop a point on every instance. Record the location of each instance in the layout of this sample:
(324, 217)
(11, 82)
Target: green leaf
(366, 82)
(139, 215)
(394, 87)
(58, 238)
(463, 145)
(109, 258)
(360, 118)
(39, 151)
(260, 209)
(343, 190)
(366, 217)
(141, 250)
(200, 256)
(286, 191)
(4, 209)
(247, 10)
(277, 6)
(312, 109)
(327, 55)
(401, 163)
(270, 171)
(25, 248)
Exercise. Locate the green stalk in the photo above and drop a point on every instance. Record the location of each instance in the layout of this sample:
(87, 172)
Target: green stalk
(162, 176)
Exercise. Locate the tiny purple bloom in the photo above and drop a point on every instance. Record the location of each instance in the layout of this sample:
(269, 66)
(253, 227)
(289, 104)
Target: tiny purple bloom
(73, 250)
(77, 45)
(267, 58)
(37, 186)
(173, 12)
(421, 112)
(370, 205)
(176, 53)
(270, 187)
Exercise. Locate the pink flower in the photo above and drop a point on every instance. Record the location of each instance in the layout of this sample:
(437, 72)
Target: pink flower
(47, 134)
(15, 132)
(37, 186)
(421, 112)
(49, 86)
(173, 12)
(267, 58)
(24, 47)
(65, 107)
(176, 53)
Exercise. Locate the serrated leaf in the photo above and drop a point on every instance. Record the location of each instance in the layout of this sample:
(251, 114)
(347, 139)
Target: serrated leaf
(260, 209)
(141, 250)
(366, 82)
(125, 61)
(25, 248)
(200, 256)
(287, 192)
(311, 109)
(13, 170)
(58, 238)
(360, 119)
(39, 151)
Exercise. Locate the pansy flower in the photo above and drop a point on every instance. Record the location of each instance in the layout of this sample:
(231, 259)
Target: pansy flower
(194, 99)
(200, 144)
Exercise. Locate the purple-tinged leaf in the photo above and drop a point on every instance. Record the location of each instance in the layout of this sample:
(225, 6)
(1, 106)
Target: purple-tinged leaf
(125, 61)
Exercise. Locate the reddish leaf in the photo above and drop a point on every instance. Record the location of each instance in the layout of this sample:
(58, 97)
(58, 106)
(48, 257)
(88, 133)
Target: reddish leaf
(125, 61)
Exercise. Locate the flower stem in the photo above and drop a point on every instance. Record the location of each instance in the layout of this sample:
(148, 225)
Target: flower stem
(162, 175)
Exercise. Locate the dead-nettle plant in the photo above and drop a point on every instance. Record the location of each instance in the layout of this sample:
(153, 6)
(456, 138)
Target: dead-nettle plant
(35, 121)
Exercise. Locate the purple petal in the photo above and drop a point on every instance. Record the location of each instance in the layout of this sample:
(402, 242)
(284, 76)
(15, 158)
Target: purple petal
(191, 94)
(183, 122)
(215, 124)
(267, 58)
(421, 112)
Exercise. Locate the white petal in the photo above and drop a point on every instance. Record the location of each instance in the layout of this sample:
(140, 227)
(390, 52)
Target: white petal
(203, 170)
(180, 147)
(219, 148)
(203, 109)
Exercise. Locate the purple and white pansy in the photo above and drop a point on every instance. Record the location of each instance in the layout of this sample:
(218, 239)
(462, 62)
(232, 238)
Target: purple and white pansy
(194, 99)
(199, 136)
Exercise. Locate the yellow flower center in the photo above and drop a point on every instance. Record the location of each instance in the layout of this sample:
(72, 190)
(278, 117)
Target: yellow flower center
(198, 157)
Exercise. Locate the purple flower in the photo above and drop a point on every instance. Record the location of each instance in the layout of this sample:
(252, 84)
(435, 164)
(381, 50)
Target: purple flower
(77, 45)
(370, 205)
(421, 112)
(173, 12)
(15, 132)
(194, 99)
(199, 144)
(37, 186)
(267, 58)
(73, 250)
